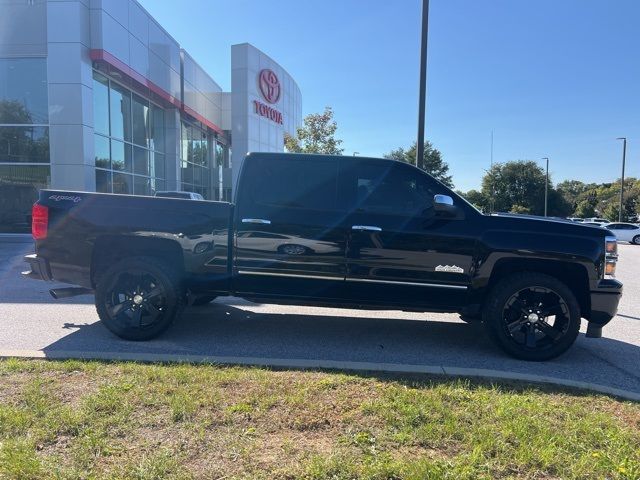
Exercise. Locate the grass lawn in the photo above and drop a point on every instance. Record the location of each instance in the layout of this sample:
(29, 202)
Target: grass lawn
(126, 420)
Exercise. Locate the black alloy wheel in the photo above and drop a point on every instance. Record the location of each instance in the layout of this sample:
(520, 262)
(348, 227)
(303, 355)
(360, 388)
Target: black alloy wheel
(536, 317)
(532, 316)
(137, 299)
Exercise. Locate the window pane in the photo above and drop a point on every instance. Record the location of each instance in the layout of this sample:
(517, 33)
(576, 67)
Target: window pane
(103, 181)
(23, 90)
(122, 183)
(140, 118)
(156, 140)
(157, 186)
(121, 156)
(187, 172)
(140, 161)
(120, 102)
(220, 155)
(24, 144)
(184, 142)
(141, 186)
(157, 165)
(383, 187)
(101, 147)
(19, 186)
(292, 183)
(100, 104)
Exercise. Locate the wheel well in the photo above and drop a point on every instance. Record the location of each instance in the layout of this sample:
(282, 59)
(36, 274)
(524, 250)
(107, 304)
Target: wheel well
(572, 275)
(108, 250)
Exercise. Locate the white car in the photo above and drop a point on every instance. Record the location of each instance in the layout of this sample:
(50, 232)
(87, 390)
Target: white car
(626, 232)
(179, 194)
(596, 220)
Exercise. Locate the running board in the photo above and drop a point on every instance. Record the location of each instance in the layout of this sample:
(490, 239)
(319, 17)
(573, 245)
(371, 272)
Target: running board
(59, 293)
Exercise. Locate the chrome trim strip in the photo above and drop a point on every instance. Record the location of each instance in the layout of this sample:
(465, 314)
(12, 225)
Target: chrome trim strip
(416, 284)
(368, 228)
(364, 280)
(261, 221)
(292, 275)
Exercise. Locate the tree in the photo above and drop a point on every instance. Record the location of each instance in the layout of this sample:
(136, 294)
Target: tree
(433, 163)
(317, 135)
(519, 186)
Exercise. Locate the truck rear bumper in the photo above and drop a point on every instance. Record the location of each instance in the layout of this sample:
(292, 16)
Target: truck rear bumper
(40, 269)
(604, 305)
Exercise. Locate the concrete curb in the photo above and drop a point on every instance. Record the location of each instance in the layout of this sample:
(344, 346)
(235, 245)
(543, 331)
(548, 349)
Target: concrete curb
(324, 364)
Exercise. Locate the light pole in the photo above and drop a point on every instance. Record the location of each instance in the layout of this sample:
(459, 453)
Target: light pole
(546, 187)
(422, 100)
(624, 157)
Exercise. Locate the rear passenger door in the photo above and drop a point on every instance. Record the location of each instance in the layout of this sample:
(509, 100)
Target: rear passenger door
(290, 236)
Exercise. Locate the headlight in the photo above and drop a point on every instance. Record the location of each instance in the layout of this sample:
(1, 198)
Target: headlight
(611, 255)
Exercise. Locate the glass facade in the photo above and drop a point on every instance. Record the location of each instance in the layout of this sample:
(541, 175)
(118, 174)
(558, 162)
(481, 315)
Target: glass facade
(128, 139)
(195, 160)
(24, 140)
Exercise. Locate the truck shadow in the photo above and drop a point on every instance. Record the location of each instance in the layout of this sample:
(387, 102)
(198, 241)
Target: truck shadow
(235, 334)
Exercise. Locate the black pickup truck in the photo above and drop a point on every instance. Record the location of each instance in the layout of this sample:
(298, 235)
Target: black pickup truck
(329, 231)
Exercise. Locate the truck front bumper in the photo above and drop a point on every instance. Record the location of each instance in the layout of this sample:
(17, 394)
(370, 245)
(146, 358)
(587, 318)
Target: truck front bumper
(40, 269)
(604, 305)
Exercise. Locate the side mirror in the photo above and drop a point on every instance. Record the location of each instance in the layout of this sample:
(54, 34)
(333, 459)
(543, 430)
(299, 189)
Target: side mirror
(443, 206)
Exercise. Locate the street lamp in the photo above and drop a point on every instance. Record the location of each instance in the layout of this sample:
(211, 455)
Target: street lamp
(422, 100)
(546, 187)
(624, 157)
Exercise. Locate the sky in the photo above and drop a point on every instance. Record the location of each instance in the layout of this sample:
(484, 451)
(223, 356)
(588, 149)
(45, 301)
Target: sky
(550, 78)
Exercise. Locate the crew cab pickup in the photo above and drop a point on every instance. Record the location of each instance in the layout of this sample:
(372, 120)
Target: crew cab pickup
(329, 231)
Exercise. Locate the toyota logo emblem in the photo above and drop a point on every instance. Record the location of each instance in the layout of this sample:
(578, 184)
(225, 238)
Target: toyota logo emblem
(269, 85)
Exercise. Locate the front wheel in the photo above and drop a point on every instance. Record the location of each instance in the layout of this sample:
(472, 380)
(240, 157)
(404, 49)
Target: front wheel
(138, 298)
(532, 316)
(636, 240)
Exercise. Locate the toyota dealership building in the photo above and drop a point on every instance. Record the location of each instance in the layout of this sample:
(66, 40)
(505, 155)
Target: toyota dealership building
(95, 95)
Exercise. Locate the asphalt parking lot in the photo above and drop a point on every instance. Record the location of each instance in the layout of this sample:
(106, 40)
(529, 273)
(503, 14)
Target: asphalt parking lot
(231, 330)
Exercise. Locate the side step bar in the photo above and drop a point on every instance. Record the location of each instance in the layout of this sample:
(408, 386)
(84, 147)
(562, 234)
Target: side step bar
(59, 293)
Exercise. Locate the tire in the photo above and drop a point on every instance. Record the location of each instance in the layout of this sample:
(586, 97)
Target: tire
(518, 313)
(636, 240)
(139, 298)
(203, 300)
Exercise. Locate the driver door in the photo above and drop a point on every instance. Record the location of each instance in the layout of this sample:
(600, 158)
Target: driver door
(399, 250)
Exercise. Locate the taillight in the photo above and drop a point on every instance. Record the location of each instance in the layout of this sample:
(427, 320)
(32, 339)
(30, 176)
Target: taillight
(39, 221)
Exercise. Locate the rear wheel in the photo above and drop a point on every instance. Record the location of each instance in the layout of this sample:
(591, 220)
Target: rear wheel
(636, 240)
(138, 298)
(532, 316)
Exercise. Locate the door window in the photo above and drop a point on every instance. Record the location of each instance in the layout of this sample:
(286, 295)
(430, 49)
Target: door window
(385, 187)
(290, 183)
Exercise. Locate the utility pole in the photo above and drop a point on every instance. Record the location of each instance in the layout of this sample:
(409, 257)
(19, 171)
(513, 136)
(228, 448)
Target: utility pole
(422, 100)
(546, 187)
(493, 188)
(624, 157)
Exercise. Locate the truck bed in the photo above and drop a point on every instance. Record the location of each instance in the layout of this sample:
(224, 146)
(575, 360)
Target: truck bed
(85, 228)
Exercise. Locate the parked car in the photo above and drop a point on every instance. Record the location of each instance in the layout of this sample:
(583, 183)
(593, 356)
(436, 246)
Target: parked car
(576, 219)
(373, 233)
(179, 194)
(627, 232)
(597, 220)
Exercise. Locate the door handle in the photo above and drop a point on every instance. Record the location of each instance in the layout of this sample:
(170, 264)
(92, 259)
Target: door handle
(366, 228)
(261, 221)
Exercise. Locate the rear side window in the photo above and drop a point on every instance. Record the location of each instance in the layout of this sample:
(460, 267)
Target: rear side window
(290, 183)
(386, 187)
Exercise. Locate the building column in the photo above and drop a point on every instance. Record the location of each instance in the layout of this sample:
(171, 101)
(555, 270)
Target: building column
(70, 85)
(172, 139)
